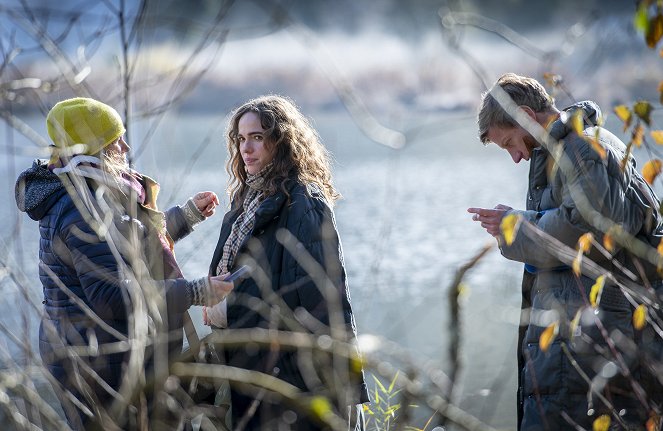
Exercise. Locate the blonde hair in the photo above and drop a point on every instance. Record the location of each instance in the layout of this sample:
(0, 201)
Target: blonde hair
(523, 91)
(298, 151)
(114, 166)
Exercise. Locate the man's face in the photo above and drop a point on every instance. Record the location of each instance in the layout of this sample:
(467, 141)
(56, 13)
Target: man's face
(515, 140)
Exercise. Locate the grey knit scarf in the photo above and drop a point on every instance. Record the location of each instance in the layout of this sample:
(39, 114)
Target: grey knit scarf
(243, 225)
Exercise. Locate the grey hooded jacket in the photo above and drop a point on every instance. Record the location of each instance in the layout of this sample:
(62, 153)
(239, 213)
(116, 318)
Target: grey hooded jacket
(583, 193)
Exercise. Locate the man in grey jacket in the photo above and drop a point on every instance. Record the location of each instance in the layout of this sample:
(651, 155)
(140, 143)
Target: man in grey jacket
(580, 358)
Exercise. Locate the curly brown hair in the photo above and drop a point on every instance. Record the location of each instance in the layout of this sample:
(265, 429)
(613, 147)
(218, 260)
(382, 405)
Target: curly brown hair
(298, 151)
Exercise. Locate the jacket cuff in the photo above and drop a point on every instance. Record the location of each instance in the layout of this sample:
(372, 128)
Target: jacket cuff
(192, 215)
(197, 290)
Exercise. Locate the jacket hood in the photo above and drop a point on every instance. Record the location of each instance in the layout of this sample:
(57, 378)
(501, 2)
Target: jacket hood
(591, 117)
(37, 189)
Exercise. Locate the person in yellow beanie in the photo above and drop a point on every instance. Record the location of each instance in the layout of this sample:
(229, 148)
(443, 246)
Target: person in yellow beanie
(114, 296)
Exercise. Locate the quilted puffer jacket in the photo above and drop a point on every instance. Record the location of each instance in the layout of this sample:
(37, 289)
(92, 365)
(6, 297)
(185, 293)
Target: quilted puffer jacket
(566, 204)
(299, 285)
(88, 294)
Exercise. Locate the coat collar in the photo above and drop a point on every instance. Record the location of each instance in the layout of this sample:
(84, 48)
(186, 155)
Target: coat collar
(269, 208)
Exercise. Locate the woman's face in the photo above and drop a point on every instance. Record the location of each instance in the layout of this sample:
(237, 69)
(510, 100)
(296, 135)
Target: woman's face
(252, 143)
(117, 148)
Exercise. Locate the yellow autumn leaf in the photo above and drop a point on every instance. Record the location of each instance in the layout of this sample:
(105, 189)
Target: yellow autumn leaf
(660, 247)
(609, 242)
(548, 336)
(577, 264)
(585, 242)
(320, 406)
(627, 156)
(651, 169)
(640, 316)
(595, 292)
(596, 146)
(638, 134)
(577, 124)
(657, 135)
(660, 86)
(601, 423)
(652, 423)
(356, 364)
(624, 114)
(509, 227)
(654, 31)
(553, 79)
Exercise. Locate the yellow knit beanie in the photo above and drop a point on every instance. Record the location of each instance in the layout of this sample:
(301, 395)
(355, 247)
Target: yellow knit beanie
(82, 126)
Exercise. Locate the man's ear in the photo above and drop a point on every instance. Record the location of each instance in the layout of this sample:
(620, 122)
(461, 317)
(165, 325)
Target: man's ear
(529, 111)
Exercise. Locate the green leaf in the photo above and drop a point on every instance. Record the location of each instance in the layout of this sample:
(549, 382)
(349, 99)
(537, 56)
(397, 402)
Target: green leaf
(376, 397)
(643, 110)
(393, 382)
(380, 385)
(640, 21)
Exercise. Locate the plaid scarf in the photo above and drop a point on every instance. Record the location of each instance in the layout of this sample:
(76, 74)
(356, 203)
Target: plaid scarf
(243, 225)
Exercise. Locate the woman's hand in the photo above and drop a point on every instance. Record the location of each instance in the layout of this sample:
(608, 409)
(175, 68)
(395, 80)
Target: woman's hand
(214, 314)
(206, 320)
(206, 202)
(219, 289)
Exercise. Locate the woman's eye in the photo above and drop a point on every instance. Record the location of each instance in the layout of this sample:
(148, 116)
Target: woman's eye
(240, 139)
(259, 137)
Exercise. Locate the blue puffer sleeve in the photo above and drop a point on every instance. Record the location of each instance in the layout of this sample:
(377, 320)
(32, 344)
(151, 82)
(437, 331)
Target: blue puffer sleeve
(101, 273)
(182, 220)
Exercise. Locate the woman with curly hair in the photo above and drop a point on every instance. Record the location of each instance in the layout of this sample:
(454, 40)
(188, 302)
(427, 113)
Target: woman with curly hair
(281, 225)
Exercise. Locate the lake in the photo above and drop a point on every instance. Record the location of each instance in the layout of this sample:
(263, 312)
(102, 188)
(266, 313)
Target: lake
(403, 225)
